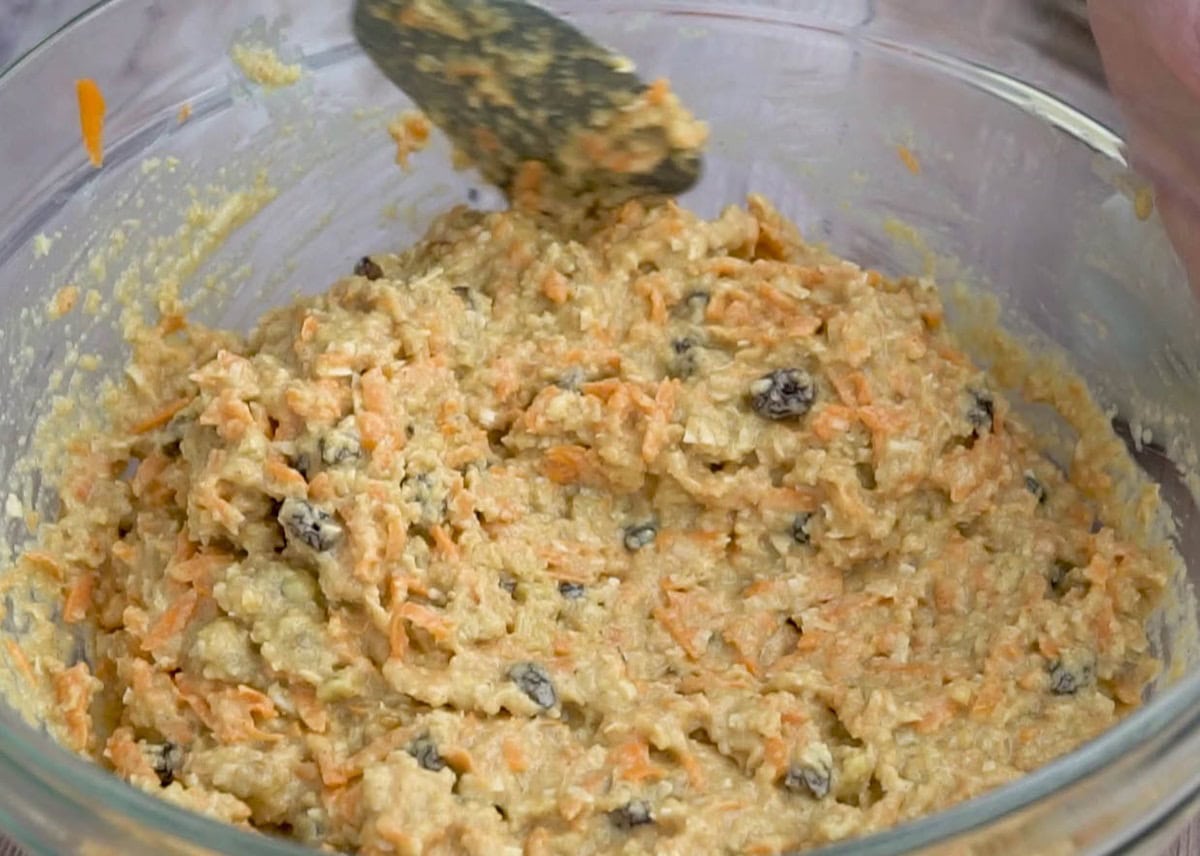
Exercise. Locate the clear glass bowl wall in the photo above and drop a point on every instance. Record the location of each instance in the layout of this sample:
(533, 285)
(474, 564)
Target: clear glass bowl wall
(1022, 185)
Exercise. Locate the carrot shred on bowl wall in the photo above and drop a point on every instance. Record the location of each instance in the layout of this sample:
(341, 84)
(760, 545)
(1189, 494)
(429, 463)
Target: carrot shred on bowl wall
(91, 118)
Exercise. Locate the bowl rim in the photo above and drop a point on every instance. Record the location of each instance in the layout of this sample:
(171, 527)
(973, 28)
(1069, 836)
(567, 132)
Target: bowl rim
(1160, 722)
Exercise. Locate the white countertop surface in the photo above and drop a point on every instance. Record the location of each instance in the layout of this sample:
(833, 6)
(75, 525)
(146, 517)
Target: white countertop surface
(23, 23)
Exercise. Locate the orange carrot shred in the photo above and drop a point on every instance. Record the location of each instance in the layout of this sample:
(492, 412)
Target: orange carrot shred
(20, 661)
(79, 599)
(909, 158)
(91, 119)
(160, 417)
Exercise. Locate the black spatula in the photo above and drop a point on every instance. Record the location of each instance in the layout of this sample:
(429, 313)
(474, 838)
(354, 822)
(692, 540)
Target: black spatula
(510, 82)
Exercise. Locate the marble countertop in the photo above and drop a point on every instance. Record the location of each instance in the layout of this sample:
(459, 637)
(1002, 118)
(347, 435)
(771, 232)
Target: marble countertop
(23, 23)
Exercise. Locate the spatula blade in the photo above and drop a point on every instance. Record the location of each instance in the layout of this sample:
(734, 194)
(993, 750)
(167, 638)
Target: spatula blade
(509, 82)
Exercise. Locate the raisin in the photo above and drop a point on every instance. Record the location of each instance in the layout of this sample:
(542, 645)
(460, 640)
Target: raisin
(167, 760)
(309, 524)
(683, 361)
(981, 412)
(369, 268)
(1066, 679)
(634, 813)
(640, 535)
(783, 394)
(1058, 575)
(800, 533)
(1035, 487)
(571, 379)
(426, 753)
(571, 591)
(430, 495)
(816, 780)
(340, 446)
(533, 680)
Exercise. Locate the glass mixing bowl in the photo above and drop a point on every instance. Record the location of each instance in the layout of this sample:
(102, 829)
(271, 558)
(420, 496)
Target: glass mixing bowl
(1021, 190)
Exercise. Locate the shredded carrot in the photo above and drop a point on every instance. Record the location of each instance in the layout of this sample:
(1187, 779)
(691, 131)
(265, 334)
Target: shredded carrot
(658, 92)
(171, 323)
(632, 763)
(990, 694)
(683, 635)
(79, 599)
(229, 414)
(46, 562)
(695, 772)
(425, 618)
(126, 757)
(562, 645)
(763, 586)
(229, 711)
(762, 848)
(63, 301)
(376, 394)
(198, 571)
(308, 328)
(537, 842)
(514, 755)
(372, 429)
(91, 119)
(662, 414)
(160, 417)
(938, 715)
(724, 266)
(554, 287)
(748, 636)
(343, 804)
(279, 475)
(909, 158)
(458, 759)
(831, 421)
(572, 465)
(527, 184)
(397, 537)
(73, 689)
(852, 388)
(800, 498)
(147, 475)
(444, 543)
(20, 660)
(173, 620)
(185, 113)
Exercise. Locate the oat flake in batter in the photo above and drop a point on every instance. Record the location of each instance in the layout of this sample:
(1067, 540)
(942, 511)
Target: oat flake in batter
(661, 536)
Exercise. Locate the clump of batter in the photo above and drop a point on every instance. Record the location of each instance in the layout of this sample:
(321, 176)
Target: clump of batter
(658, 536)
